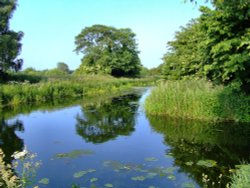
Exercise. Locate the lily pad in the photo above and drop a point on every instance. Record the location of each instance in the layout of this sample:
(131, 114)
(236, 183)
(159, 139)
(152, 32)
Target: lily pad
(91, 170)
(189, 163)
(108, 185)
(44, 181)
(169, 156)
(207, 163)
(169, 170)
(92, 180)
(151, 159)
(79, 174)
(188, 185)
(151, 175)
(171, 177)
(73, 154)
(138, 178)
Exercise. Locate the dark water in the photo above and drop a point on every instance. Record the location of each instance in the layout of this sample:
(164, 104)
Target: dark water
(111, 143)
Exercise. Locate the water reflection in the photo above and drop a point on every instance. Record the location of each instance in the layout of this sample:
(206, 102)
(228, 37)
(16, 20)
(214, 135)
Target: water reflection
(9, 141)
(195, 144)
(105, 120)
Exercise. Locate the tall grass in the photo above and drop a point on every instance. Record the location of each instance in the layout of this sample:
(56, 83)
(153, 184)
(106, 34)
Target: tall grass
(63, 88)
(198, 99)
(241, 179)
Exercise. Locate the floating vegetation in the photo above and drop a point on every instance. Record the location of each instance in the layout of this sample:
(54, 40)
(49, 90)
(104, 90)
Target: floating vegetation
(44, 181)
(80, 174)
(151, 175)
(188, 185)
(189, 163)
(92, 180)
(108, 185)
(91, 170)
(83, 172)
(207, 163)
(169, 156)
(150, 159)
(169, 170)
(171, 177)
(138, 178)
(151, 186)
(73, 154)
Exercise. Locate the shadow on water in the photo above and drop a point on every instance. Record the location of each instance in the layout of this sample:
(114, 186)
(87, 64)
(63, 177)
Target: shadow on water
(205, 148)
(9, 141)
(105, 120)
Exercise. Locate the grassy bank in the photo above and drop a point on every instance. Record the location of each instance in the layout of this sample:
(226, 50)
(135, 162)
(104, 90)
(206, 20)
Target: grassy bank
(57, 88)
(194, 99)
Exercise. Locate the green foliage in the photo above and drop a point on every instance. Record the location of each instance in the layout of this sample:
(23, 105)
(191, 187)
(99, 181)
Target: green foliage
(241, 178)
(215, 46)
(108, 50)
(69, 87)
(10, 45)
(63, 67)
(198, 99)
(184, 58)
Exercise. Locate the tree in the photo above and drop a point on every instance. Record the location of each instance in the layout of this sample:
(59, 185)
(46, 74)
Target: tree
(63, 67)
(215, 47)
(108, 50)
(227, 41)
(185, 57)
(10, 45)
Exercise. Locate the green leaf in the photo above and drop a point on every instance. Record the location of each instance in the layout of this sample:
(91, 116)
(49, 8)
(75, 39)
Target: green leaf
(138, 178)
(44, 181)
(92, 180)
(207, 163)
(151, 159)
(108, 185)
(79, 174)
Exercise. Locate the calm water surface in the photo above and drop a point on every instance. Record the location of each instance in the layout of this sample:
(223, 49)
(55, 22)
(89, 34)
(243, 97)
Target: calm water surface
(112, 143)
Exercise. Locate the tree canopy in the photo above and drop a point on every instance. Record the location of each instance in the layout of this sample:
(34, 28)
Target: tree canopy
(10, 45)
(215, 46)
(108, 50)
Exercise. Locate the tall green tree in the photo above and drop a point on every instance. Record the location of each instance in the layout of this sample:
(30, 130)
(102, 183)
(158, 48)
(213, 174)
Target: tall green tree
(10, 45)
(63, 67)
(108, 50)
(216, 46)
(227, 29)
(184, 57)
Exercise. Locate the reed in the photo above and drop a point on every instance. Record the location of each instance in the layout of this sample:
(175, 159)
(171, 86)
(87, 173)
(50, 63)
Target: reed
(54, 88)
(198, 99)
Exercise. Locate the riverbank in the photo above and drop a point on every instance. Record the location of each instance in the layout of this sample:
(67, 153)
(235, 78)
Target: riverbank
(198, 99)
(18, 93)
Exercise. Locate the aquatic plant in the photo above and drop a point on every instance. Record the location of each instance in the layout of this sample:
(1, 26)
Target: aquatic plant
(24, 160)
(241, 178)
(16, 93)
(198, 99)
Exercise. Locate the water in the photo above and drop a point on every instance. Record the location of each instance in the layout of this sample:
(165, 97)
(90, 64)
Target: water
(112, 143)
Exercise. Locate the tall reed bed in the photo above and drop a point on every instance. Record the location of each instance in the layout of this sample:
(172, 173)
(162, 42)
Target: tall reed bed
(58, 88)
(198, 99)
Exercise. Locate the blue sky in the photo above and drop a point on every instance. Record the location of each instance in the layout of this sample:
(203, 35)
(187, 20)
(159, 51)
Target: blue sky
(50, 26)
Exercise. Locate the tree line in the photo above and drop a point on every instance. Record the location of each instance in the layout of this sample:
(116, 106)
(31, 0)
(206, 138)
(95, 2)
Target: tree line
(214, 46)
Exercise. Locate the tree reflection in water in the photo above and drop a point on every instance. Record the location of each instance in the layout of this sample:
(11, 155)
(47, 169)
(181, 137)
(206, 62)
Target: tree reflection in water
(226, 144)
(102, 121)
(9, 141)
